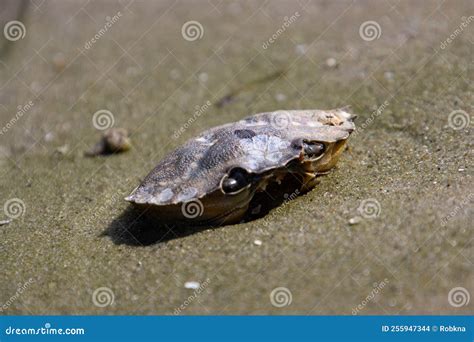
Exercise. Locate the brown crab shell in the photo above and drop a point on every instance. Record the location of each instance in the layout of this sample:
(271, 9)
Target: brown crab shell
(262, 144)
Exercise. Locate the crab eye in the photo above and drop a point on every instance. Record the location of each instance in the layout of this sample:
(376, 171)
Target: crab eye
(237, 180)
(313, 149)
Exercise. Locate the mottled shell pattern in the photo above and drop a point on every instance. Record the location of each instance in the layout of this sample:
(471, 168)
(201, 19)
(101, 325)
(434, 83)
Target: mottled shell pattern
(258, 143)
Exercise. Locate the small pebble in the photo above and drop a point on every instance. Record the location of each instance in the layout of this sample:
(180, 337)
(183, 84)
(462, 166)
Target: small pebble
(193, 285)
(114, 140)
(280, 97)
(5, 222)
(389, 76)
(203, 77)
(301, 49)
(59, 61)
(355, 220)
(49, 137)
(257, 242)
(62, 150)
(331, 62)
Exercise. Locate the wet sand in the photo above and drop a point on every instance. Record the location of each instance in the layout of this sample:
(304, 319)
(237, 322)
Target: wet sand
(72, 238)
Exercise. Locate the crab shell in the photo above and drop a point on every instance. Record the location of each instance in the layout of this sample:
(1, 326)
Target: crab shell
(187, 184)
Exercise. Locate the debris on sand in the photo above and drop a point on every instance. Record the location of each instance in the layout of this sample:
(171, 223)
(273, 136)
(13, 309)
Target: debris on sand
(114, 140)
(280, 97)
(193, 285)
(355, 220)
(61, 150)
(331, 63)
(59, 62)
(5, 222)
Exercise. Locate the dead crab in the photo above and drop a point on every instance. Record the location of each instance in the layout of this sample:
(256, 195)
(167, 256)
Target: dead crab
(218, 176)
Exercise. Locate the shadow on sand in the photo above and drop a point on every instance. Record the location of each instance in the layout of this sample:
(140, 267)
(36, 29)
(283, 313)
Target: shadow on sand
(134, 228)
